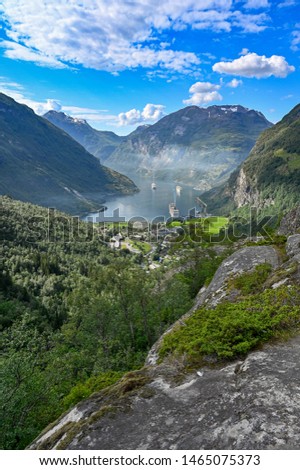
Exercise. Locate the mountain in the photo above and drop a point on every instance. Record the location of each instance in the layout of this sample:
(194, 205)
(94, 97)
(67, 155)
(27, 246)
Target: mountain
(41, 164)
(270, 177)
(99, 143)
(197, 146)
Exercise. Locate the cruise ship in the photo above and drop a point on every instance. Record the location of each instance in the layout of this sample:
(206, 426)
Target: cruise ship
(173, 211)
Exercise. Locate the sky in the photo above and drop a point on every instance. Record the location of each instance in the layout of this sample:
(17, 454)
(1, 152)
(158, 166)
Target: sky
(123, 63)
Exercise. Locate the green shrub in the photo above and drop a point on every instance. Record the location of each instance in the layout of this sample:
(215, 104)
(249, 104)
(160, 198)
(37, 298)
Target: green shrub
(252, 282)
(93, 384)
(231, 330)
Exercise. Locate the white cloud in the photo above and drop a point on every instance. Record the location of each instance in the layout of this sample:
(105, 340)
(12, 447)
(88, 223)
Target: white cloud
(53, 105)
(287, 3)
(235, 83)
(203, 93)
(296, 40)
(251, 23)
(150, 113)
(114, 35)
(14, 50)
(254, 66)
(244, 51)
(17, 92)
(255, 4)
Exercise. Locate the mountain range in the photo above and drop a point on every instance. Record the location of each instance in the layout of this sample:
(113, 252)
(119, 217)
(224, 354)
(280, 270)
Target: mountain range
(40, 163)
(101, 144)
(270, 177)
(194, 146)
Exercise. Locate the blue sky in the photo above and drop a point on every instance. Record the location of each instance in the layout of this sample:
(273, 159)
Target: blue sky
(122, 63)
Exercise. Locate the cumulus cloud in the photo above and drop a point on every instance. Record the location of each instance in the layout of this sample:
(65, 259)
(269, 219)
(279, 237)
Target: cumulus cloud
(235, 83)
(203, 93)
(150, 113)
(114, 35)
(252, 65)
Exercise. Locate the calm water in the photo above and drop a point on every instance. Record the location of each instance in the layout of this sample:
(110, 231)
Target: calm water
(149, 203)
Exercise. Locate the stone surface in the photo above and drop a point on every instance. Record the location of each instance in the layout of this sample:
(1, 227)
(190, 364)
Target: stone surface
(254, 404)
(293, 245)
(241, 261)
(250, 404)
(290, 223)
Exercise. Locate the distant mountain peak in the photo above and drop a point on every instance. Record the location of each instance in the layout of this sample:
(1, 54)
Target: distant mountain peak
(99, 143)
(64, 117)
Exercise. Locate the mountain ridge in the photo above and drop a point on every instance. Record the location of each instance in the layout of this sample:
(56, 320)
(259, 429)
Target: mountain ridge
(195, 146)
(99, 143)
(41, 164)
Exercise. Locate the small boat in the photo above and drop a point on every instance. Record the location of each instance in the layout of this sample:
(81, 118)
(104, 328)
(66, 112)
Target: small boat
(178, 190)
(153, 185)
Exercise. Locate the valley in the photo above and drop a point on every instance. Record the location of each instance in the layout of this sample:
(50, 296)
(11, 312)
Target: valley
(162, 285)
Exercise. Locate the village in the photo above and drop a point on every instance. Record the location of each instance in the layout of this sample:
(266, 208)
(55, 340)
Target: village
(161, 242)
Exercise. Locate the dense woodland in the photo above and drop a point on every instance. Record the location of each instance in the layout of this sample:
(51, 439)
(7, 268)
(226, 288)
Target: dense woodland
(75, 315)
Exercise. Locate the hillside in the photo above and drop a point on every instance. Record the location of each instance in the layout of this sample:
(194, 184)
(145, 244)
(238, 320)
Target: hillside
(76, 315)
(41, 164)
(220, 378)
(270, 177)
(99, 143)
(196, 146)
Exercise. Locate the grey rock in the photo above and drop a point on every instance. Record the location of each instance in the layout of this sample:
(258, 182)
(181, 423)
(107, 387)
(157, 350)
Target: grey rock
(243, 260)
(254, 404)
(293, 245)
(290, 223)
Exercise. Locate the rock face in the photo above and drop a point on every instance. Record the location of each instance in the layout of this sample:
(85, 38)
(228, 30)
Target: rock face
(290, 222)
(245, 194)
(249, 404)
(243, 260)
(254, 404)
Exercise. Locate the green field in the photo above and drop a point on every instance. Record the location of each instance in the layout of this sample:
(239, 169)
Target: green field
(211, 225)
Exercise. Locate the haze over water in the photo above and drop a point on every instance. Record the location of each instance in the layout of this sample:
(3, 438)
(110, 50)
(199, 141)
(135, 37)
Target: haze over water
(149, 203)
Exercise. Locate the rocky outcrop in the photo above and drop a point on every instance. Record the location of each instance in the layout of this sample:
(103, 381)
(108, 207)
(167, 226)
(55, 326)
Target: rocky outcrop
(290, 223)
(243, 260)
(251, 404)
(244, 193)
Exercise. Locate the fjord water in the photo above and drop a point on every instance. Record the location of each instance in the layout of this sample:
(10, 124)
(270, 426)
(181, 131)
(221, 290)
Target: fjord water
(149, 203)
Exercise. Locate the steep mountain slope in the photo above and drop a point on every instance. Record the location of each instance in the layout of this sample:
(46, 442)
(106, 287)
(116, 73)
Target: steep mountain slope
(270, 176)
(194, 397)
(194, 145)
(98, 143)
(41, 164)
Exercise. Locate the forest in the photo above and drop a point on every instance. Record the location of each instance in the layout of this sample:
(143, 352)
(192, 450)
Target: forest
(75, 315)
